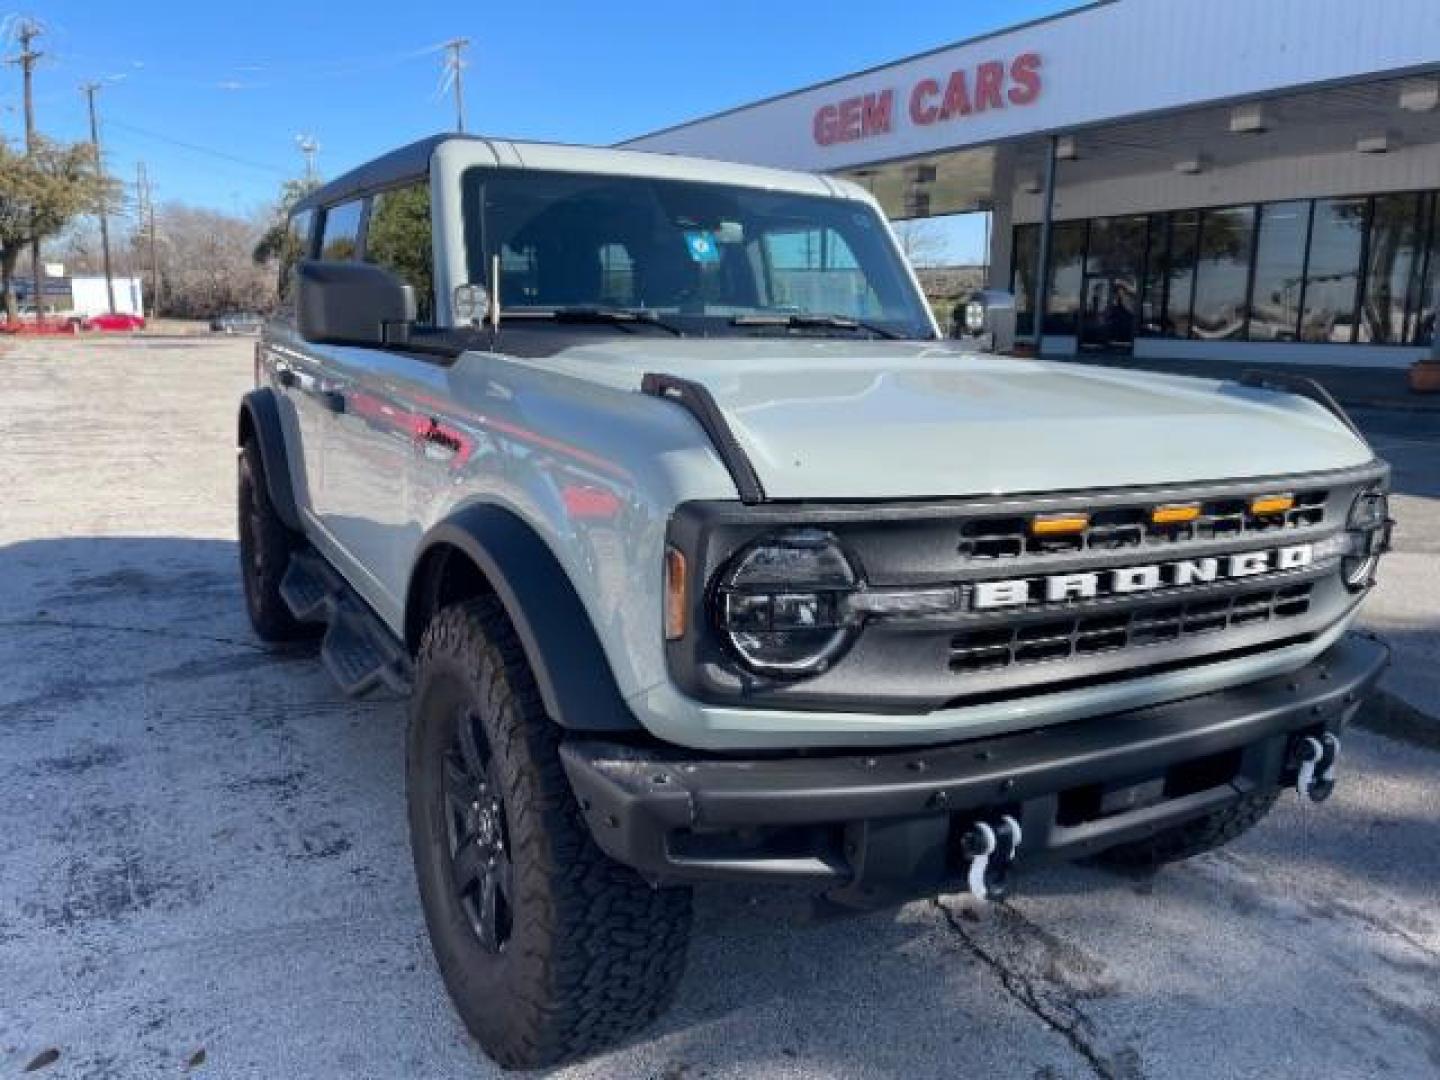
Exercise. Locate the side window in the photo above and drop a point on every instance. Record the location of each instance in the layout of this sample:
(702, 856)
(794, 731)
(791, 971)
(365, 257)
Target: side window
(815, 270)
(294, 246)
(398, 238)
(341, 238)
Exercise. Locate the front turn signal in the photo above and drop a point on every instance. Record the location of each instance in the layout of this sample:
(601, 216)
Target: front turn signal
(676, 595)
(1270, 505)
(1059, 524)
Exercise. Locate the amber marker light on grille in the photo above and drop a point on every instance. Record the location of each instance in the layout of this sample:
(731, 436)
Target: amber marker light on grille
(1059, 524)
(1175, 514)
(676, 595)
(1265, 505)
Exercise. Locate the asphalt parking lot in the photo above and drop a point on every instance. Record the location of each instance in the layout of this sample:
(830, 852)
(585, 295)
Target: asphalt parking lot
(204, 869)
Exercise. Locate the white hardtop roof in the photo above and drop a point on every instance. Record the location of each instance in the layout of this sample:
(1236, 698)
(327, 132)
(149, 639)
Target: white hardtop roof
(456, 152)
(564, 157)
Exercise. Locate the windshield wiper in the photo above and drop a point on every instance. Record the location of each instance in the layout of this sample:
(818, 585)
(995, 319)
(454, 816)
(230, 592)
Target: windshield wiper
(808, 321)
(625, 318)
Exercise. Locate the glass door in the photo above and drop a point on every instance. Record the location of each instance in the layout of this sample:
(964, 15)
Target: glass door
(1109, 295)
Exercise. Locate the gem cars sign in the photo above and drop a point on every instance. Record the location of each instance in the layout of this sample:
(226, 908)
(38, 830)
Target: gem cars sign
(932, 100)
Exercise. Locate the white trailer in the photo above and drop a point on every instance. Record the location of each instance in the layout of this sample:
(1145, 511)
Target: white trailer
(89, 297)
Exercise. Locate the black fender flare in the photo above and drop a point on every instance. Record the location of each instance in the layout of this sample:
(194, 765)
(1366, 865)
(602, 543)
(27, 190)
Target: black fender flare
(576, 682)
(260, 414)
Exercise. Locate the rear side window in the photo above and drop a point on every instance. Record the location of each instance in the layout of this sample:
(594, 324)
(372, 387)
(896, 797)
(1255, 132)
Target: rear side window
(294, 246)
(398, 238)
(341, 238)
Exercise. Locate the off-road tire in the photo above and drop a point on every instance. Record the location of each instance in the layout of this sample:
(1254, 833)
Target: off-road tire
(594, 953)
(1194, 837)
(266, 544)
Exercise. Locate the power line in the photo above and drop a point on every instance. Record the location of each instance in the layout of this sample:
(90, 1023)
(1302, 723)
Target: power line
(290, 70)
(198, 149)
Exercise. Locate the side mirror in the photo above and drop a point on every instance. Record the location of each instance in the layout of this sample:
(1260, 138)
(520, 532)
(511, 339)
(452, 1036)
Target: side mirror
(352, 303)
(987, 320)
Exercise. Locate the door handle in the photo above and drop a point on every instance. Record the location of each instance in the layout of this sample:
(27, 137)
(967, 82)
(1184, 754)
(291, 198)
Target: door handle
(437, 444)
(332, 400)
(287, 378)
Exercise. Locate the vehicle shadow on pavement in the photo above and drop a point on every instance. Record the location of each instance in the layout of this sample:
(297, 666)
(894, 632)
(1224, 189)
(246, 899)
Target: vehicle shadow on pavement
(202, 845)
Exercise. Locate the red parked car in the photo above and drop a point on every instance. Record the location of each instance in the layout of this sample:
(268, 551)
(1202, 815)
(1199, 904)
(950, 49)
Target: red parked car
(114, 320)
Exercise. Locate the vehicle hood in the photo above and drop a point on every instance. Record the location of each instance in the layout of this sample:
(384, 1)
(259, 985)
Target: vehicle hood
(910, 420)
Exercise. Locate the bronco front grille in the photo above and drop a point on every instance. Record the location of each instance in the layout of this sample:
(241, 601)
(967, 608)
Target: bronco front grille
(1114, 528)
(1062, 639)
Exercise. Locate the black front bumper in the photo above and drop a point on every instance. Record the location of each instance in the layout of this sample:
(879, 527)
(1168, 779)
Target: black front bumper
(886, 823)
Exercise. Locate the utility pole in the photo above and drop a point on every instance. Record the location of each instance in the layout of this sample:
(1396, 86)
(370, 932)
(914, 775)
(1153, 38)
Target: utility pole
(309, 147)
(454, 71)
(89, 91)
(27, 32)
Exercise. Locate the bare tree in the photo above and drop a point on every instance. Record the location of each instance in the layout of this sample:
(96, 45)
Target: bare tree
(206, 264)
(923, 241)
(77, 247)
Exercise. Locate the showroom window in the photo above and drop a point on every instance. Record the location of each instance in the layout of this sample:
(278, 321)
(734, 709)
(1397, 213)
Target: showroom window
(1152, 292)
(1222, 274)
(1067, 264)
(1421, 320)
(1114, 270)
(1332, 273)
(1180, 273)
(1024, 259)
(1353, 269)
(1394, 265)
(1279, 271)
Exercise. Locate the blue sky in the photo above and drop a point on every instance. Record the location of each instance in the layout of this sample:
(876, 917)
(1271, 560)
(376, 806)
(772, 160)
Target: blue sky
(241, 81)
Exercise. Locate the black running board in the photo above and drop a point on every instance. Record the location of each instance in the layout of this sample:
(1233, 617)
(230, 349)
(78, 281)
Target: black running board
(358, 651)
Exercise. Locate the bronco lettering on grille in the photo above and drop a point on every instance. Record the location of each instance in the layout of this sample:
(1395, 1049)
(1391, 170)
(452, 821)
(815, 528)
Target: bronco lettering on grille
(1091, 585)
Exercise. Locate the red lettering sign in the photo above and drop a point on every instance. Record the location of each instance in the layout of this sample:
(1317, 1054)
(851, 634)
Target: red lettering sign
(1025, 74)
(825, 118)
(991, 85)
(877, 113)
(957, 97)
(855, 118)
(922, 112)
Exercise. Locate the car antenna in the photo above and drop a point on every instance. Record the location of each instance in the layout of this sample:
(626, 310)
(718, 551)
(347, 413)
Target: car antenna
(494, 297)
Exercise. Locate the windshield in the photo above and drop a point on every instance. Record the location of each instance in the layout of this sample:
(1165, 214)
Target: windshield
(708, 258)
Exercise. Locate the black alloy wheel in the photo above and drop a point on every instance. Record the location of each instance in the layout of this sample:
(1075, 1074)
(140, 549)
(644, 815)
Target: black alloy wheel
(479, 842)
(266, 544)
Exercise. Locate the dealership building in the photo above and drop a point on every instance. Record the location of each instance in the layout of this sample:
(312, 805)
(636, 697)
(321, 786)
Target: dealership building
(1247, 179)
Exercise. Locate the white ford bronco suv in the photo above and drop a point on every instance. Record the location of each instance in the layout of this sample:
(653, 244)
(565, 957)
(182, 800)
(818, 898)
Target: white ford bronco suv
(701, 556)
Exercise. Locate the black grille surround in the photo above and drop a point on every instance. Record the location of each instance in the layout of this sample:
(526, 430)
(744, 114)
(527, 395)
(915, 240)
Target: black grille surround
(914, 666)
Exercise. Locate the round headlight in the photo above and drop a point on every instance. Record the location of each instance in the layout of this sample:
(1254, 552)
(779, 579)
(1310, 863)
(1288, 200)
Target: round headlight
(1368, 522)
(975, 316)
(780, 603)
